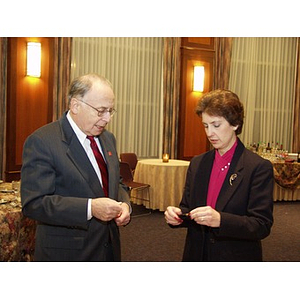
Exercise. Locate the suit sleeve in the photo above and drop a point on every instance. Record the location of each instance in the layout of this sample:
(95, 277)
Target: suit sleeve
(40, 199)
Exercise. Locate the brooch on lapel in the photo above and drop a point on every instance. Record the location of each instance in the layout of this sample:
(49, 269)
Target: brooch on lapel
(109, 153)
(232, 178)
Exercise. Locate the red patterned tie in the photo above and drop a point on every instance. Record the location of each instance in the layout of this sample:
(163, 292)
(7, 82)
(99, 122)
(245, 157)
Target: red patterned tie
(101, 163)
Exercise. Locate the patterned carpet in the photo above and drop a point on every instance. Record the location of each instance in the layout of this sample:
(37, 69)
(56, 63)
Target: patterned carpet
(149, 238)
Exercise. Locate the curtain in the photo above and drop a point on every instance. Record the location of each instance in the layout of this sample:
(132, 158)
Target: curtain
(262, 73)
(62, 68)
(134, 66)
(171, 88)
(223, 46)
(296, 135)
(3, 62)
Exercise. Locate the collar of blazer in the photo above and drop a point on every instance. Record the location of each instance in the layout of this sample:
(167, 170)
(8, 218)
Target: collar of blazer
(233, 178)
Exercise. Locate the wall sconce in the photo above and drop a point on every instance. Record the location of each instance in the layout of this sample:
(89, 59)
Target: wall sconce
(198, 83)
(34, 59)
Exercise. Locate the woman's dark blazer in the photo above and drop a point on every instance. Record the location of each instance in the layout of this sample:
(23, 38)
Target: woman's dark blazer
(57, 179)
(245, 204)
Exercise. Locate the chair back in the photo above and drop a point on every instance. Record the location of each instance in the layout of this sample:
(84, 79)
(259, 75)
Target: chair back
(125, 172)
(130, 158)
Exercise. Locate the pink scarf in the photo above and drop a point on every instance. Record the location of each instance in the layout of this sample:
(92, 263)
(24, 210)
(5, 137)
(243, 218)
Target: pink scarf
(218, 174)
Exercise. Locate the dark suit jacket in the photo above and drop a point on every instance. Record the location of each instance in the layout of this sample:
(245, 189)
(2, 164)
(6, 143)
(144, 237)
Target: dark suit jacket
(246, 208)
(57, 179)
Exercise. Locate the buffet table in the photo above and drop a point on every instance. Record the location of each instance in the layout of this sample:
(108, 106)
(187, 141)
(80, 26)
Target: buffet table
(17, 233)
(166, 181)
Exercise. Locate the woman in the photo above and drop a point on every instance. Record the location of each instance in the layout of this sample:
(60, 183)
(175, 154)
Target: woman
(227, 204)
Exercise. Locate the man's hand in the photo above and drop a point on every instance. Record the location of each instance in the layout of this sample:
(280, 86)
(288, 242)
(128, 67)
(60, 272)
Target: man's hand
(106, 209)
(124, 218)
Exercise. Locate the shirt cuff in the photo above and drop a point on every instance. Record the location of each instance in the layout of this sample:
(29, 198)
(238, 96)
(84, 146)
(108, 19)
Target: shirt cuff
(89, 209)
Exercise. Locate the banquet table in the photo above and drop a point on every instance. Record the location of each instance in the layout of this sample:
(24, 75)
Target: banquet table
(166, 180)
(17, 233)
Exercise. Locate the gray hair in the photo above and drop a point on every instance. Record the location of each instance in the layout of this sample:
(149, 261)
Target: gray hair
(82, 84)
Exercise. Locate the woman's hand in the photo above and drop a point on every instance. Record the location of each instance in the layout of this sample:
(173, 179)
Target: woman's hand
(172, 215)
(206, 215)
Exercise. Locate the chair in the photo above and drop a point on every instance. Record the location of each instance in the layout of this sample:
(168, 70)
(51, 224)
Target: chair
(131, 159)
(139, 187)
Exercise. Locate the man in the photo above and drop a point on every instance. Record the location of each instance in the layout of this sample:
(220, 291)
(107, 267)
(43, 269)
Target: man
(63, 186)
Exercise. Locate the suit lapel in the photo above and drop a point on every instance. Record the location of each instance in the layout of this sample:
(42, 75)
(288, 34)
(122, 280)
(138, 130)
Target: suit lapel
(105, 148)
(79, 158)
(202, 178)
(233, 178)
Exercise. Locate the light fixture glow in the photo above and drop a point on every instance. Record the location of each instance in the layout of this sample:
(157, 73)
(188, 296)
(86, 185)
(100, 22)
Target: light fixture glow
(198, 84)
(34, 59)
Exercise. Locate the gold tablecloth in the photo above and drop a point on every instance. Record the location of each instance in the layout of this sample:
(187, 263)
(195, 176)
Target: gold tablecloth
(17, 233)
(166, 181)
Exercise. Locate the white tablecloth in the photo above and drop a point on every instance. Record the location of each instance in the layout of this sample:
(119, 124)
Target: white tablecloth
(282, 194)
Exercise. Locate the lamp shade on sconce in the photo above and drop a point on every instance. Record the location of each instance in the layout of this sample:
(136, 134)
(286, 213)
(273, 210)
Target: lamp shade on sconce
(33, 59)
(198, 83)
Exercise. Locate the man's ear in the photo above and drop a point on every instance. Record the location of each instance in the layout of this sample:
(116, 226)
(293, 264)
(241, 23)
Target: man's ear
(74, 106)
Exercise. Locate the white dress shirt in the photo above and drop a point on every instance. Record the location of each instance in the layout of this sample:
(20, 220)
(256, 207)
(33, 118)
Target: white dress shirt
(86, 146)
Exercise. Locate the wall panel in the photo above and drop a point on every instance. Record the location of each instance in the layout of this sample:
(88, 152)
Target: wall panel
(29, 100)
(192, 138)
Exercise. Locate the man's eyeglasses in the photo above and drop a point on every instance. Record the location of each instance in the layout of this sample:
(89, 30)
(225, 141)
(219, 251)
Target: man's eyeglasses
(102, 111)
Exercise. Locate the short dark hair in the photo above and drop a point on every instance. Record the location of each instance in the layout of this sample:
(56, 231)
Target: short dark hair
(222, 103)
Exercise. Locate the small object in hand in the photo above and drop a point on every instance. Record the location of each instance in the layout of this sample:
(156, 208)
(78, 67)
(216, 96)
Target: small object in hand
(185, 216)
